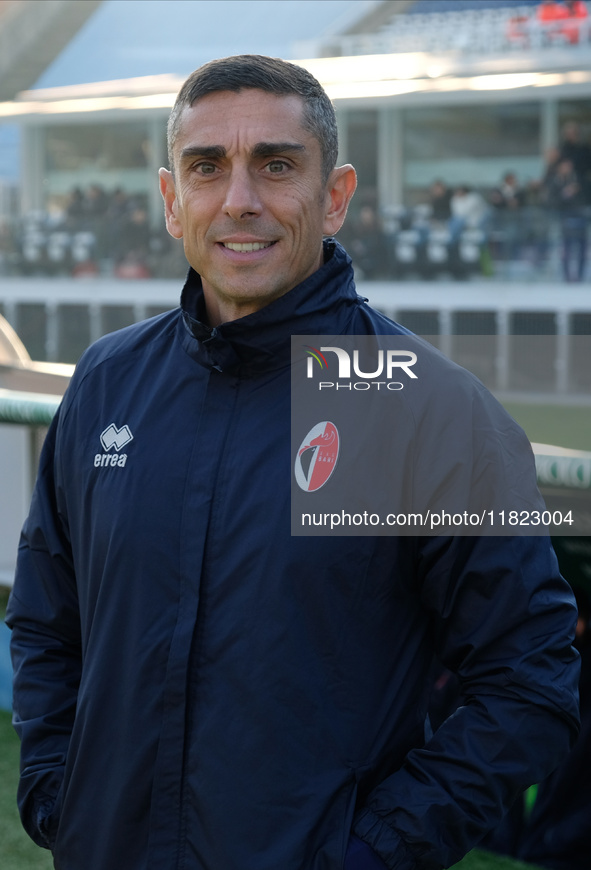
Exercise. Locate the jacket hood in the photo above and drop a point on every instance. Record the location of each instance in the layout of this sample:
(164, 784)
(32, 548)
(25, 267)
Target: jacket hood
(261, 341)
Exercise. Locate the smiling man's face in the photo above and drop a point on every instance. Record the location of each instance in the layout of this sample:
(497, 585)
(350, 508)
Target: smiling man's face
(248, 198)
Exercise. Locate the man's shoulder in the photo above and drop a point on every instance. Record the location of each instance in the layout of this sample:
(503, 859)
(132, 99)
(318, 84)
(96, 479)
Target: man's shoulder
(113, 356)
(370, 321)
(137, 338)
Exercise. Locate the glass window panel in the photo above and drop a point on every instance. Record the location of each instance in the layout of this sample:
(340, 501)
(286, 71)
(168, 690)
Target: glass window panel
(101, 146)
(504, 130)
(473, 145)
(578, 111)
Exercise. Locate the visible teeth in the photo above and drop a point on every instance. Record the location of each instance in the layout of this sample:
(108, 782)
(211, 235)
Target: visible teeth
(247, 246)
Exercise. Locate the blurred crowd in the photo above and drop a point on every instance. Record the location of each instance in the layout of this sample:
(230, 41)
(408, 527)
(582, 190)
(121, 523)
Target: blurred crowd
(90, 232)
(563, 22)
(459, 231)
(514, 230)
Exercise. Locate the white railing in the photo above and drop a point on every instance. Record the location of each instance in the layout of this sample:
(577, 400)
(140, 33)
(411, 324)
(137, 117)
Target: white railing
(452, 312)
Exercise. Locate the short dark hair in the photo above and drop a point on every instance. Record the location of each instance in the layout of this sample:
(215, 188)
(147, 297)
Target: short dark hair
(268, 74)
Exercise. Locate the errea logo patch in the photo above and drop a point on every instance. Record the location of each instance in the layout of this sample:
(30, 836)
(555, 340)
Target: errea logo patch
(116, 437)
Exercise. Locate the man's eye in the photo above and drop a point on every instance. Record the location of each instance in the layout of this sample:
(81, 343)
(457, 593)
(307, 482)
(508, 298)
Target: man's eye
(277, 166)
(205, 168)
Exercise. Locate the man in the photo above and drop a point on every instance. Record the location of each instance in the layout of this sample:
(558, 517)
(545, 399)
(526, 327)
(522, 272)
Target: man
(566, 197)
(194, 687)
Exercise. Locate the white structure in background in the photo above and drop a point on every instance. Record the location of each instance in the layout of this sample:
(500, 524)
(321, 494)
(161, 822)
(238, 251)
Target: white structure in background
(22, 378)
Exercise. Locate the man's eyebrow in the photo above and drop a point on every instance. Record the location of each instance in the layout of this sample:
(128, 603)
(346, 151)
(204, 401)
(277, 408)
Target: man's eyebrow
(268, 149)
(211, 151)
(261, 149)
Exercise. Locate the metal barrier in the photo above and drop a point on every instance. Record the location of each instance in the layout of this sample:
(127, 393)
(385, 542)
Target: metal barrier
(29, 409)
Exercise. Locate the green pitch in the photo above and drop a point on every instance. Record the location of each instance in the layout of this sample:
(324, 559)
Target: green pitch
(562, 425)
(477, 860)
(17, 852)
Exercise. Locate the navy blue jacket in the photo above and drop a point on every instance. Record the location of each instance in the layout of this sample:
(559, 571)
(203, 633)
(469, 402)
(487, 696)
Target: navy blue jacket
(196, 689)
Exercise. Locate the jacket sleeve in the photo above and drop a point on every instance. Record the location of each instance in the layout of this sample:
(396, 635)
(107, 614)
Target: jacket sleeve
(46, 653)
(503, 620)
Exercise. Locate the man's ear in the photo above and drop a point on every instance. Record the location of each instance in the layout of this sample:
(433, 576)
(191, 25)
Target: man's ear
(340, 187)
(168, 191)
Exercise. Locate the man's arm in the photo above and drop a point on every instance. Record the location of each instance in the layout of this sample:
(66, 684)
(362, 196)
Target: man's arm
(44, 618)
(503, 620)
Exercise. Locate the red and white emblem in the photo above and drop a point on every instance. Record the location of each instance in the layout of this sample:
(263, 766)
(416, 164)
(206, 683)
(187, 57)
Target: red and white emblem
(317, 456)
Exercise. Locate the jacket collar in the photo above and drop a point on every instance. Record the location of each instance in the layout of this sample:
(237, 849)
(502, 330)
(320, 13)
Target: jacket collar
(321, 304)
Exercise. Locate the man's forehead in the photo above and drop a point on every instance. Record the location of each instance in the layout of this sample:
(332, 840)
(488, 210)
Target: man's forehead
(251, 114)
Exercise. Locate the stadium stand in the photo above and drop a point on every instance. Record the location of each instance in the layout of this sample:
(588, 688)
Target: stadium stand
(473, 26)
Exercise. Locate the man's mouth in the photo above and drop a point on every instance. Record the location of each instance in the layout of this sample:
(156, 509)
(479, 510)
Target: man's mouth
(247, 247)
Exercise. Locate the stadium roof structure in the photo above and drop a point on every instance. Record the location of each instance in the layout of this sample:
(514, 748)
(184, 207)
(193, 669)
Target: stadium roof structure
(391, 51)
(32, 35)
(414, 78)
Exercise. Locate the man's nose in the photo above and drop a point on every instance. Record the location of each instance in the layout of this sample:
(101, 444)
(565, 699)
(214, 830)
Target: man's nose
(242, 198)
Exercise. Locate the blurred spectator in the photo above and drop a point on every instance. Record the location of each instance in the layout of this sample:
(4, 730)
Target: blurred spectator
(85, 269)
(518, 31)
(118, 205)
(96, 206)
(135, 244)
(92, 232)
(117, 216)
(136, 233)
(550, 11)
(567, 199)
(56, 213)
(573, 149)
(508, 201)
(75, 210)
(132, 268)
(563, 21)
(508, 195)
(577, 14)
(440, 202)
(367, 244)
(96, 202)
(469, 210)
(551, 161)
